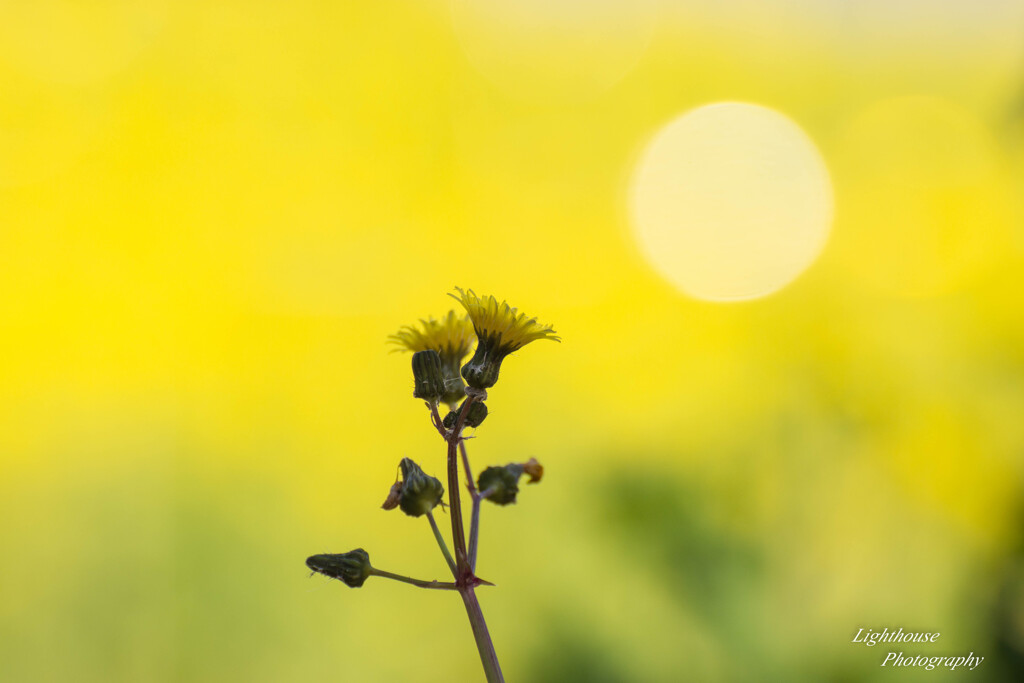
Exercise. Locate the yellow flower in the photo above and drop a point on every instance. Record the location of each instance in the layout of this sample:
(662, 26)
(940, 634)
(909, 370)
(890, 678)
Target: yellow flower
(500, 330)
(452, 337)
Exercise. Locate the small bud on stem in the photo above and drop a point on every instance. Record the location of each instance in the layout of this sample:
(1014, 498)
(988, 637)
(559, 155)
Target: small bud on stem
(420, 492)
(428, 376)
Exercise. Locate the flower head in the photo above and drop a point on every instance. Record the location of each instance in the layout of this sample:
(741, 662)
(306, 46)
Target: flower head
(500, 330)
(452, 337)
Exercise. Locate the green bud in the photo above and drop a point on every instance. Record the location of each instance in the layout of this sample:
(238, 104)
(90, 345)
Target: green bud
(428, 376)
(500, 484)
(454, 387)
(420, 491)
(352, 567)
(481, 372)
(477, 414)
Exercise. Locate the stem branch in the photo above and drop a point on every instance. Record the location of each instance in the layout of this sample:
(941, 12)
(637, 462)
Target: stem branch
(474, 523)
(442, 544)
(464, 577)
(439, 585)
(435, 417)
(454, 502)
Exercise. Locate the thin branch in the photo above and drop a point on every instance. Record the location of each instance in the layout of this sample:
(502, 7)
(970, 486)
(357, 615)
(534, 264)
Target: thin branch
(470, 484)
(437, 585)
(474, 524)
(454, 502)
(442, 544)
(435, 418)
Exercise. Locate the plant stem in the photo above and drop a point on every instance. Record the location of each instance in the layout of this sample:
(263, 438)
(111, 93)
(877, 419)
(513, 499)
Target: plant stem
(464, 578)
(454, 502)
(488, 656)
(470, 484)
(435, 418)
(442, 544)
(439, 585)
(474, 523)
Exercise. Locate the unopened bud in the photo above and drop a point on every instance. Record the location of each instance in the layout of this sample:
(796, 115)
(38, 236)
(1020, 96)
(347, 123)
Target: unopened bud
(428, 376)
(420, 492)
(500, 484)
(454, 387)
(352, 567)
(481, 372)
(477, 414)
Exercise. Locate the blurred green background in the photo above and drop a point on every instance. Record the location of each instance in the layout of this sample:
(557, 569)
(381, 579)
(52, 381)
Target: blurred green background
(212, 214)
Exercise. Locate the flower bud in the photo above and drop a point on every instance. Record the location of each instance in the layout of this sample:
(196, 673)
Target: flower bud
(420, 491)
(481, 372)
(454, 387)
(477, 414)
(500, 484)
(428, 376)
(352, 567)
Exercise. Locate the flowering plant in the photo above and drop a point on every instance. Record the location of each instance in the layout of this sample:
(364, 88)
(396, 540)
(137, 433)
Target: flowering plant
(439, 348)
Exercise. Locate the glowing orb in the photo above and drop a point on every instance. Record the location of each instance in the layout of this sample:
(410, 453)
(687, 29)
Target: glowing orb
(731, 201)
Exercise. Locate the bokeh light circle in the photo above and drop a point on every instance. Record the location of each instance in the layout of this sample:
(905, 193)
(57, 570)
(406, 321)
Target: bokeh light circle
(731, 201)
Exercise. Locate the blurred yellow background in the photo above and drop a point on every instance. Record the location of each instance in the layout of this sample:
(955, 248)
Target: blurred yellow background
(212, 214)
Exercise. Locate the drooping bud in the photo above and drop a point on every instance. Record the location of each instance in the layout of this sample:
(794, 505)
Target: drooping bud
(477, 414)
(428, 376)
(500, 484)
(352, 567)
(420, 492)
